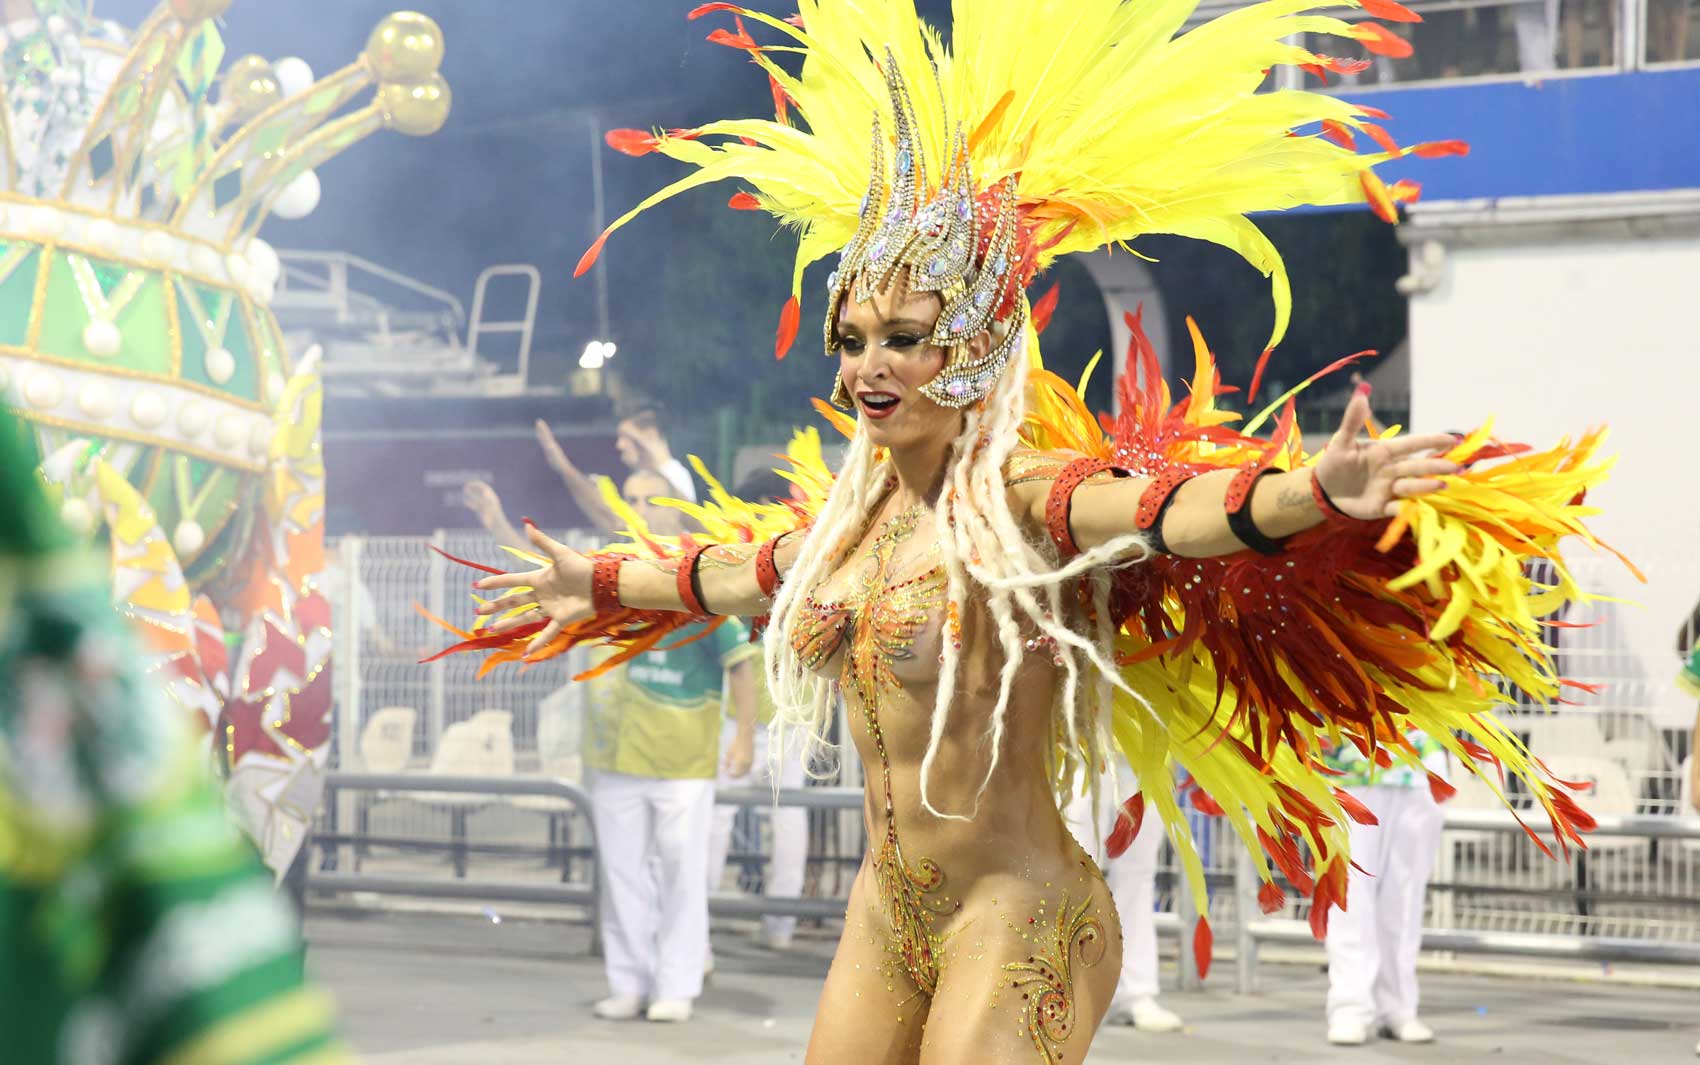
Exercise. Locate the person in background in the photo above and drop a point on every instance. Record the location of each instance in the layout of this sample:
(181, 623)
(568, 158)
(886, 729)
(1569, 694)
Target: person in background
(642, 447)
(136, 924)
(652, 738)
(1373, 943)
(790, 823)
(1688, 679)
(1132, 877)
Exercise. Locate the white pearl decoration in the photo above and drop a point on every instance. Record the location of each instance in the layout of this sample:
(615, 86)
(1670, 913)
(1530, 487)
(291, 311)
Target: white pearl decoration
(188, 538)
(293, 75)
(275, 384)
(237, 267)
(204, 260)
(263, 260)
(260, 440)
(102, 339)
(96, 401)
(46, 222)
(148, 409)
(221, 365)
(102, 235)
(156, 246)
(44, 390)
(192, 418)
(78, 515)
(299, 197)
(229, 432)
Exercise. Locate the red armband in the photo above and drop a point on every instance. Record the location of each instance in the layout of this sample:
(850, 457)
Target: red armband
(767, 570)
(1154, 503)
(1325, 504)
(687, 580)
(605, 584)
(1057, 504)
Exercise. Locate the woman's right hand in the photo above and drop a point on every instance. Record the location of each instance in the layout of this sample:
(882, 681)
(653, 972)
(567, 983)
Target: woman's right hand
(561, 590)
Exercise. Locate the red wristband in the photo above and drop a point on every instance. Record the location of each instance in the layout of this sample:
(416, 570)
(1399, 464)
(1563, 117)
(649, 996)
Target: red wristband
(1325, 504)
(1061, 497)
(605, 584)
(767, 570)
(687, 580)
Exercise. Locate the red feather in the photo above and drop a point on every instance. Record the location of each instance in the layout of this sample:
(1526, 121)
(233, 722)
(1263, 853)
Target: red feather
(1390, 10)
(1046, 307)
(465, 562)
(787, 328)
(743, 201)
(1203, 943)
(1339, 133)
(1373, 112)
(780, 99)
(631, 141)
(1439, 149)
(1380, 200)
(708, 9)
(740, 40)
(1128, 819)
(1270, 897)
(1382, 137)
(1382, 41)
(1440, 789)
(1356, 810)
(1257, 374)
(588, 260)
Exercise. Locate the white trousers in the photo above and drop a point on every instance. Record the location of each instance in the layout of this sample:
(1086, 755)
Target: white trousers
(652, 838)
(790, 825)
(1373, 944)
(1133, 884)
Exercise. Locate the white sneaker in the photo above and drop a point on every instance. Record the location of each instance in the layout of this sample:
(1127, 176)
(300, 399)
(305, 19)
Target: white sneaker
(1411, 1031)
(618, 1008)
(1147, 1015)
(1348, 1033)
(670, 1009)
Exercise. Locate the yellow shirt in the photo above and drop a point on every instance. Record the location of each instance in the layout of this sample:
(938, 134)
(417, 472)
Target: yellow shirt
(659, 714)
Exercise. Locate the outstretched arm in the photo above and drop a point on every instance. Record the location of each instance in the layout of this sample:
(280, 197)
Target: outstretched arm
(582, 488)
(725, 579)
(1362, 478)
(483, 501)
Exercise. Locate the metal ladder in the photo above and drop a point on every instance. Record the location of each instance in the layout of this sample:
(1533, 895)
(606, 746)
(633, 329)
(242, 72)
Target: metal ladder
(477, 327)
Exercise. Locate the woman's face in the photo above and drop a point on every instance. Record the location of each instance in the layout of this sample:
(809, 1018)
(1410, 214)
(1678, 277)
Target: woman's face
(885, 356)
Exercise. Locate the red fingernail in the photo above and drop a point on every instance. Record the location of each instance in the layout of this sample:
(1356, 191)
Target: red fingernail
(1364, 389)
(529, 522)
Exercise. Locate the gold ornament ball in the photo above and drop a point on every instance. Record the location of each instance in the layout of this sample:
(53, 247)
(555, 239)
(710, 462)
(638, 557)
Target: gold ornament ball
(191, 11)
(406, 47)
(248, 85)
(419, 109)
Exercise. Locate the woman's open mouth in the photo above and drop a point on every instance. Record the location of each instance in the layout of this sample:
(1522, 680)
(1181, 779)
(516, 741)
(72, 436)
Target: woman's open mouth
(878, 404)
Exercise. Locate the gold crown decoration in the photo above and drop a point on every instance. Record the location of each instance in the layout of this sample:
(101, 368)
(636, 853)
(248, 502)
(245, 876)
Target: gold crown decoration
(945, 245)
(138, 347)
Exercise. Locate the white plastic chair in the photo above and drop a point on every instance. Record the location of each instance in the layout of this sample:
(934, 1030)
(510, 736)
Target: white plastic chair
(481, 746)
(385, 746)
(386, 740)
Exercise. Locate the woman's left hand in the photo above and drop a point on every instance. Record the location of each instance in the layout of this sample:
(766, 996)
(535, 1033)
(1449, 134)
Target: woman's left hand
(1367, 478)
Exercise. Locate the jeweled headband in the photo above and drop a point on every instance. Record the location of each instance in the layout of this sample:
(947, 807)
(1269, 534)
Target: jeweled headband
(958, 244)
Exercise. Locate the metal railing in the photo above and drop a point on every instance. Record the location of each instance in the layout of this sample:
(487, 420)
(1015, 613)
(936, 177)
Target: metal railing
(1250, 930)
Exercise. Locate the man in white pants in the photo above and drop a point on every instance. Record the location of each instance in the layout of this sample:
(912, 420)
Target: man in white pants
(1132, 877)
(1373, 943)
(652, 731)
(790, 823)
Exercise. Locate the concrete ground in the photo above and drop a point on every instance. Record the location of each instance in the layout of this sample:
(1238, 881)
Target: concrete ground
(431, 989)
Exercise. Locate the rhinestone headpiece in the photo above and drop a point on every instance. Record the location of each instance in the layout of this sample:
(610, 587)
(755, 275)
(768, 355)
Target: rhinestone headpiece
(962, 246)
